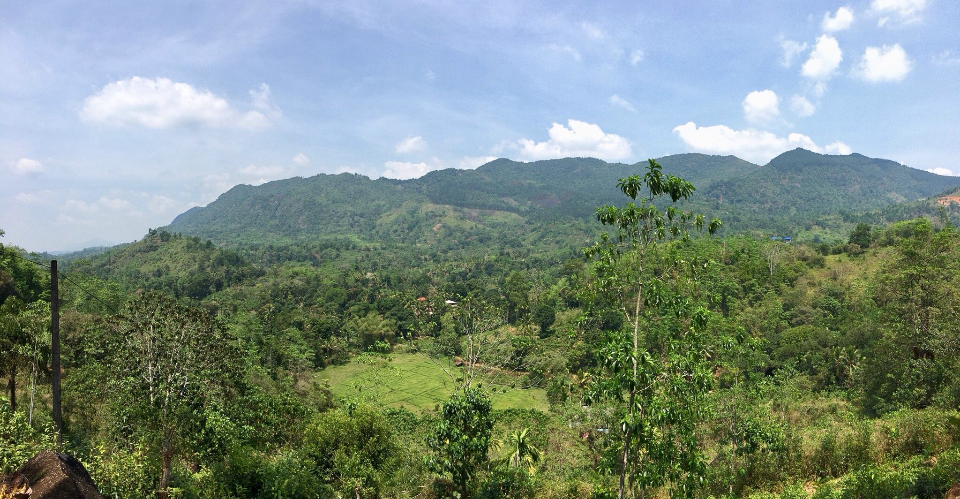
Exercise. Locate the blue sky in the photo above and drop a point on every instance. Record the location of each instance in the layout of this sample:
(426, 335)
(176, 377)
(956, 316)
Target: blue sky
(117, 116)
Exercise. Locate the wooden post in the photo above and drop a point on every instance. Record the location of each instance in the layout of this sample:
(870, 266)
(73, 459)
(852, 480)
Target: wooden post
(55, 348)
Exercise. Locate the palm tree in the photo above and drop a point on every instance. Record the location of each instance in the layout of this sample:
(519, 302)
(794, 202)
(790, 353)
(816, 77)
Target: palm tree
(523, 451)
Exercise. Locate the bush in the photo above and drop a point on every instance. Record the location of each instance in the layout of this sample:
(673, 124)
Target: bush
(289, 476)
(354, 450)
(507, 482)
(123, 472)
(19, 441)
(945, 472)
(908, 433)
(878, 482)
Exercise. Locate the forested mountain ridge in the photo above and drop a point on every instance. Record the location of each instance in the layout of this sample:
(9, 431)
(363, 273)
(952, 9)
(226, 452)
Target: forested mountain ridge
(799, 184)
(791, 190)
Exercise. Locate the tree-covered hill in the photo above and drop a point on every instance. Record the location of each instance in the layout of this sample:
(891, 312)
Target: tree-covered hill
(799, 185)
(178, 265)
(504, 196)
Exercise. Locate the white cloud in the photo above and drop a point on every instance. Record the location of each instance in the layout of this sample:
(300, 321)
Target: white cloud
(637, 56)
(301, 160)
(33, 197)
(886, 63)
(566, 49)
(837, 148)
(840, 21)
(761, 106)
(593, 31)
(162, 103)
(161, 204)
(905, 11)
(215, 184)
(758, 146)
(943, 171)
(579, 140)
(27, 165)
(406, 170)
(430, 75)
(261, 100)
(472, 162)
(256, 175)
(78, 206)
(616, 100)
(824, 59)
(411, 144)
(791, 49)
(946, 58)
(819, 88)
(801, 106)
(115, 204)
(403, 170)
(100, 206)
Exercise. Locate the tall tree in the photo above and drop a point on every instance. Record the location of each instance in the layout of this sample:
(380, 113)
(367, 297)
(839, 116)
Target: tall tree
(169, 364)
(461, 438)
(657, 366)
(914, 361)
(517, 290)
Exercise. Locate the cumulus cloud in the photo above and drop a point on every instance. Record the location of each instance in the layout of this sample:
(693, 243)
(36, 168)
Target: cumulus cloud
(904, 11)
(593, 31)
(761, 106)
(824, 59)
(260, 99)
(404, 170)
(163, 103)
(758, 146)
(616, 100)
(801, 106)
(579, 140)
(839, 21)
(791, 49)
(881, 64)
(472, 162)
(837, 148)
(943, 171)
(411, 144)
(636, 57)
(27, 165)
(258, 174)
(301, 160)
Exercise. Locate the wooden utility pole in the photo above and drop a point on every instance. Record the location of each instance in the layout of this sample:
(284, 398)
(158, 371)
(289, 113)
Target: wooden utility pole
(55, 348)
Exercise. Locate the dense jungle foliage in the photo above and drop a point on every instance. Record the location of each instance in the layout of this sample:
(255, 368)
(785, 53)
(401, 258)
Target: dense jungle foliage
(664, 363)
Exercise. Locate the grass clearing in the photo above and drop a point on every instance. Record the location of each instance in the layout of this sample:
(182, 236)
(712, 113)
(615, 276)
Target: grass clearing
(413, 381)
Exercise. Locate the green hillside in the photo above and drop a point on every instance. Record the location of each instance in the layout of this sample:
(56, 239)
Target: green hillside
(799, 185)
(510, 203)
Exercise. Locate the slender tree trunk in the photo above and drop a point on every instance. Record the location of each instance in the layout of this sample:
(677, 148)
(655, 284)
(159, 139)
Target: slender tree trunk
(627, 436)
(12, 388)
(33, 389)
(167, 455)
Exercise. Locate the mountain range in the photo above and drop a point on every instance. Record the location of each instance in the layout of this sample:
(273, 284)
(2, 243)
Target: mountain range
(793, 192)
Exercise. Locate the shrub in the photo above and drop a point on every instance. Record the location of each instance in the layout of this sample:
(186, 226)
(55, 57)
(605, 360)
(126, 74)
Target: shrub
(354, 450)
(878, 482)
(19, 441)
